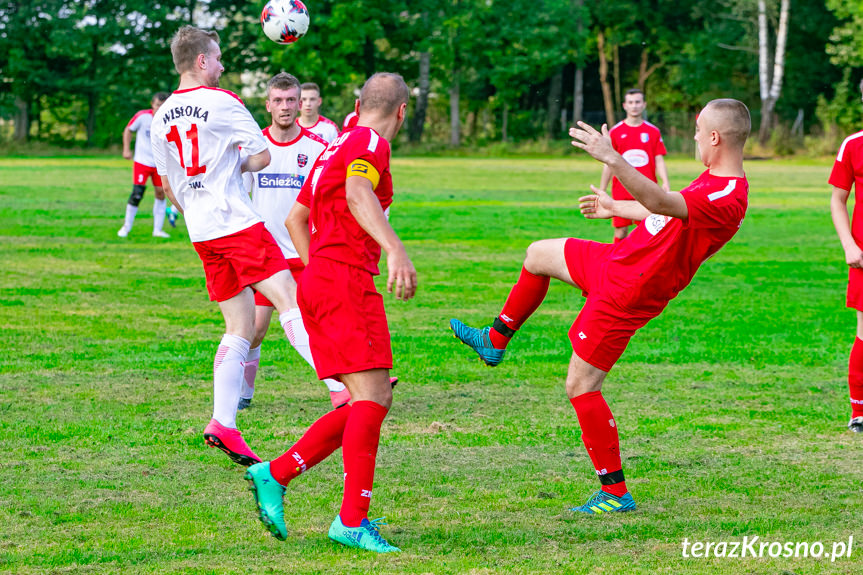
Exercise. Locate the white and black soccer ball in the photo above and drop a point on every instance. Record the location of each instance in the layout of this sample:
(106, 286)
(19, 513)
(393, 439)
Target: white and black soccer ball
(285, 21)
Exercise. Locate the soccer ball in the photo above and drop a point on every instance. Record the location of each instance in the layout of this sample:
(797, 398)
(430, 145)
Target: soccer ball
(285, 21)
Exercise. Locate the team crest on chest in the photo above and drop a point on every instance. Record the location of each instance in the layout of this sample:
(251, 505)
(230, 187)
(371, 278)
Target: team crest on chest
(645, 137)
(302, 160)
(655, 222)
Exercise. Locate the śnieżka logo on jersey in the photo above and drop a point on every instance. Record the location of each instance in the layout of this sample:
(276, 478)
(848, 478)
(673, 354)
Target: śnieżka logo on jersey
(280, 180)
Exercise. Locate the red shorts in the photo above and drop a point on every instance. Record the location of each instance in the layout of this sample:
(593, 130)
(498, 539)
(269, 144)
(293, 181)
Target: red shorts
(296, 266)
(854, 297)
(344, 315)
(141, 173)
(602, 330)
(233, 262)
(621, 194)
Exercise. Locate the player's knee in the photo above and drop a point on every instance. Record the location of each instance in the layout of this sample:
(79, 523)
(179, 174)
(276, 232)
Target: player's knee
(159, 193)
(137, 195)
(536, 257)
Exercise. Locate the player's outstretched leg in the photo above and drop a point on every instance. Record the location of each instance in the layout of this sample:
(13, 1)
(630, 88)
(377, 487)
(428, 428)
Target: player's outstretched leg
(366, 536)
(478, 340)
(269, 496)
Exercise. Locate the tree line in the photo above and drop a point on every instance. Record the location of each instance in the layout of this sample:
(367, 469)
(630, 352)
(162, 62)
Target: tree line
(481, 71)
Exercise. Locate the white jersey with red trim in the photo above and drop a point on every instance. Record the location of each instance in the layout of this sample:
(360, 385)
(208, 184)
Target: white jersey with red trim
(197, 135)
(324, 128)
(275, 188)
(140, 124)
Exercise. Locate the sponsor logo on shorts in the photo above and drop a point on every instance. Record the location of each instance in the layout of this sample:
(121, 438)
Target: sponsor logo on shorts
(280, 180)
(581, 335)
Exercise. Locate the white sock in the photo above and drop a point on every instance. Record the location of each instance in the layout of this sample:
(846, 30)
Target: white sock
(292, 323)
(131, 212)
(250, 370)
(158, 215)
(228, 378)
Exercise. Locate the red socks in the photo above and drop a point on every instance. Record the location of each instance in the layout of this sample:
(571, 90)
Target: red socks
(359, 449)
(524, 298)
(599, 434)
(855, 378)
(321, 439)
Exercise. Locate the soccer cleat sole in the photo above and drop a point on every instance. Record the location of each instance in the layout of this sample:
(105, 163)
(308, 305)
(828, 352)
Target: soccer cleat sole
(262, 515)
(237, 458)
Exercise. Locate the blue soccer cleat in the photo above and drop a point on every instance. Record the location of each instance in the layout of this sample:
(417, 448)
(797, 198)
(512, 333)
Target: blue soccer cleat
(172, 214)
(602, 502)
(478, 340)
(269, 495)
(366, 536)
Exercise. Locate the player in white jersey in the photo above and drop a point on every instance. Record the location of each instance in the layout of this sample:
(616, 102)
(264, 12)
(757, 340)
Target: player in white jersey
(196, 137)
(144, 168)
(310, 118)
(293, 152)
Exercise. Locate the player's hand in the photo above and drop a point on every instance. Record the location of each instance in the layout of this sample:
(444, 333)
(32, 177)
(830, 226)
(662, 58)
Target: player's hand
(402, 275)
(127, 155)
(597, 144)
(854, 257)
(597, 205)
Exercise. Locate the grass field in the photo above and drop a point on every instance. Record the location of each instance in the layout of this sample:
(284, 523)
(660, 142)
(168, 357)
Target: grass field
(731, 405)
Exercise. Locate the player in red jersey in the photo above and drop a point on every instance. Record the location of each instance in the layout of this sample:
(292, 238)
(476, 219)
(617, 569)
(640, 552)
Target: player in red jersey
(350, 121)
(848, 172)
(351, 187)
(627, 283)
(641, 145)
(197, 135)
(144, 168)
(310, 118)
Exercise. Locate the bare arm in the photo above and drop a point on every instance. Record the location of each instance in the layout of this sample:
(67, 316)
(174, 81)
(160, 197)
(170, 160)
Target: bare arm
(166, 186)
(127, 143)
(648, 193)
(662, 170)
(298, 226)
(839, 212)
(366, 208)
(605, 178)
(256, 163)
(599, 205)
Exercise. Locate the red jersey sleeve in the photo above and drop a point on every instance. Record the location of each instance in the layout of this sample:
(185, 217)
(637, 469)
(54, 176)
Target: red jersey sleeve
(717, 207)
(305, 195)
(367, 146)
(660, 145)
(842, 175)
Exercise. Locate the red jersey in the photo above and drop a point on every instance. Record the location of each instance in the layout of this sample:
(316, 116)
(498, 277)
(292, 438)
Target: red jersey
(847, 172)
(350, 121)
(639, 146)
(335, 233)
(662, 254)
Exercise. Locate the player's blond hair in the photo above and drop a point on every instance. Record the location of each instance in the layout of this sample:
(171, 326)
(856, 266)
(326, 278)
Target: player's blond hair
(283, 81)
(732, 119)
(384, 92)
(188, 43)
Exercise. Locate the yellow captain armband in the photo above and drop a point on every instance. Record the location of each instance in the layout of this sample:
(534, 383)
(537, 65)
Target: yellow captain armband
(364, 169)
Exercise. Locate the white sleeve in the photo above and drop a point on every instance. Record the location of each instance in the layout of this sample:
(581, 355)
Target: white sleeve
(159, 145)
(246, 131)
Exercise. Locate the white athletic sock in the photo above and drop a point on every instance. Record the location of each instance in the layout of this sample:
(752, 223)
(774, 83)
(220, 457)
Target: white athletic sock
(158, 215)
(228, 378)
(292, 323)
(131, 212)
(250, 370)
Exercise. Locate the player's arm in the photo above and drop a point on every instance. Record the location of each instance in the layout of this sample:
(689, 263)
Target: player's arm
(839, 212)
(127, 143)
(166, 187)
(366, 209)
(662, 171)
(605, 178)
(297, 223)
(645, 191)
(256, 162)
(599, 205)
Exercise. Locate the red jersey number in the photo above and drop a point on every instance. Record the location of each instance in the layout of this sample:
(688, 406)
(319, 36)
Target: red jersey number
(192, 135)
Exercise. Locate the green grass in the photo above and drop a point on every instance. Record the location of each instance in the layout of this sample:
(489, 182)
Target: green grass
(731, 405)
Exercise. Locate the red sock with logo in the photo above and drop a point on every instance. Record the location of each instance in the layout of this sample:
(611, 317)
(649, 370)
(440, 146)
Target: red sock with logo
(599, 433)
(316, 444)
(524, 297)
(855, 378)
(359, 449)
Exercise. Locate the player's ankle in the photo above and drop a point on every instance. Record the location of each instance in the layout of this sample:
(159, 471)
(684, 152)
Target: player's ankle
(500, 334)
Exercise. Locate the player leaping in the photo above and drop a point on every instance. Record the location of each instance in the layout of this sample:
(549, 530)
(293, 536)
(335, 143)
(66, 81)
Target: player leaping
(626, 283)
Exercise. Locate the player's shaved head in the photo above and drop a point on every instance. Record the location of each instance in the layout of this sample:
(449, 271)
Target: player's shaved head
(730, 118)
(283, 81)
(384, 93)
(187, 43)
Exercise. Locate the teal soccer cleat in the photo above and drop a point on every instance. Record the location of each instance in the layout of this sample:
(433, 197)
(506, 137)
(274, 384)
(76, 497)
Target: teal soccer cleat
(477, 340)
(269, 495)
(366, 536)
(602, 502)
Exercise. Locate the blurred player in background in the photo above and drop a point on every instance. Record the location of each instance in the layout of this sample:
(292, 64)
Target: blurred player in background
(626, 283)
(310, 118)
(847, 173)
(640, 144)
(144, 168)
(350, 189)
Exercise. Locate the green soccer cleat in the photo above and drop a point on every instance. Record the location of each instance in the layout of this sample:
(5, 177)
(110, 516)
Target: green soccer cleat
(602, 502)
(366, 536)
(269, 495)
(478, 340)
